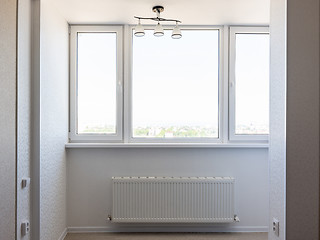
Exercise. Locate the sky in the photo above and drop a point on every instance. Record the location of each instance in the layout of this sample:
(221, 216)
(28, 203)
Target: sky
(252, 72)
(96, 79)
(175, 81)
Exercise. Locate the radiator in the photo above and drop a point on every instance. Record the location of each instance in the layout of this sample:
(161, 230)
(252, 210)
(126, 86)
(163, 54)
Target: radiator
(173, 200)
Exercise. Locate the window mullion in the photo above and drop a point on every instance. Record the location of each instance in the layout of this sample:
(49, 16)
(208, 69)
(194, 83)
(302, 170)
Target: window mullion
(127, 62)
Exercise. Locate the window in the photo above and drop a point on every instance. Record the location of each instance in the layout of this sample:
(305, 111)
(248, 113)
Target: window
(96, 76)
(249, 83)
(175, 86)
(127, 89)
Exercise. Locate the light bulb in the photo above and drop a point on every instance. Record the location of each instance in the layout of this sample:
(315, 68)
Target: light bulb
(139, 30)
(176, 32)
(158, 31)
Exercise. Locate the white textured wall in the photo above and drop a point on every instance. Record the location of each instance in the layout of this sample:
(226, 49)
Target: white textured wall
(54, 122)
(24, 114)
(277, 160)
(7, 118)
(89, 173)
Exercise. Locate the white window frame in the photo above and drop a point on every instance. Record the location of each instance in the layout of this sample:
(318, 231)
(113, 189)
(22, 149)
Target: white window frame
(232, 85)
(73, 136)
(128, 94)
(124, 135)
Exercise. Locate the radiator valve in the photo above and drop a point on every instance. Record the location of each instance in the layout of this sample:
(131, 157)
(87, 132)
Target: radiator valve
(109, 218)
(236, 218)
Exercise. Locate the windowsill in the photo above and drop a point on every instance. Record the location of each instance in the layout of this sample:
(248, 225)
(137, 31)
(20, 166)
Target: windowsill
(167, 145)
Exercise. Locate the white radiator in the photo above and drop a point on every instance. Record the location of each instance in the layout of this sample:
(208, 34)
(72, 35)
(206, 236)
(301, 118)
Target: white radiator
(172, 199)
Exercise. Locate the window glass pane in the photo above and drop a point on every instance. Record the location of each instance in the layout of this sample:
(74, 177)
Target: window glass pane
(252, 84)
(96, 83)
(175, 85)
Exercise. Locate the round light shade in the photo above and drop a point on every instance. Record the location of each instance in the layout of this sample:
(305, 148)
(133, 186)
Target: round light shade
(158, 31)
(176, 33)
(139, 30)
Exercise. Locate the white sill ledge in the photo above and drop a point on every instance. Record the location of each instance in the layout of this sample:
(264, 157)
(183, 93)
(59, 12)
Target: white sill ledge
(167, 145)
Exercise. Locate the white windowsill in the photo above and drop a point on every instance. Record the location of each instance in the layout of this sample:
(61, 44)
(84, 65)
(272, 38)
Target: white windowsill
(167, 145)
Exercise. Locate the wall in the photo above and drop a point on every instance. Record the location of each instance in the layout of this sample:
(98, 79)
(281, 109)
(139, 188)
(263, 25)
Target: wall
(89, 173)
(294, 145)
(277, 159)
(54, 122)
(7, 118)
(24, 114)
(303, 120)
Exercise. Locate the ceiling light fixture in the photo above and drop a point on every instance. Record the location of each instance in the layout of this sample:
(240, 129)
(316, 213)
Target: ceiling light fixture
(176, 32)
(158, 31)
(139, 30)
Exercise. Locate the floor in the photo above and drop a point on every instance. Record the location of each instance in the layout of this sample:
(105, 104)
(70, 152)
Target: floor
(165, 236)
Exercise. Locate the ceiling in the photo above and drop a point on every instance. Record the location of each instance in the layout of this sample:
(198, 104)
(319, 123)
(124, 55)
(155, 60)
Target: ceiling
(190, 12)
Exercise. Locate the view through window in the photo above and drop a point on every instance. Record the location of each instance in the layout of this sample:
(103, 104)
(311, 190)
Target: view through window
(175, 85)
(96, 83)
(252, 84)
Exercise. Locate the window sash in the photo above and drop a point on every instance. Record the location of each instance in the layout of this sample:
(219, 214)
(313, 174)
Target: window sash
(73, 135)
(233, 137)
(128, 94)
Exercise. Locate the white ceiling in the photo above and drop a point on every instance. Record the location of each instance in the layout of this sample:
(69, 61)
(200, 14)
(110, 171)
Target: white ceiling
(190, 12)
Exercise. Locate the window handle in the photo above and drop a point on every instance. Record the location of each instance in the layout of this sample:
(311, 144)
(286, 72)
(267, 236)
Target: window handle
(119, 86)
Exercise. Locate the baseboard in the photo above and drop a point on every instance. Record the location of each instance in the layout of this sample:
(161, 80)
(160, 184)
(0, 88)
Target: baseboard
(169, 229)
(63, 234)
